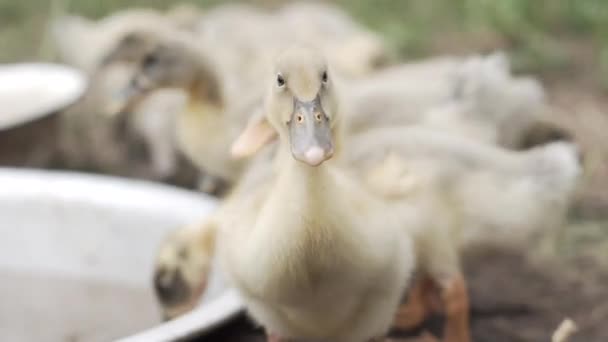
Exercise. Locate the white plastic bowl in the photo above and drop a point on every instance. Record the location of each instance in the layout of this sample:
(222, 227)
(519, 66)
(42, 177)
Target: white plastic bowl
(76, 258)
(29, 91)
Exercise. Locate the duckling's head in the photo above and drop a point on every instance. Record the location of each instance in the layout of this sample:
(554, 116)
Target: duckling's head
(173, 63)
(181, 271)
(131, 48)
(301, 106)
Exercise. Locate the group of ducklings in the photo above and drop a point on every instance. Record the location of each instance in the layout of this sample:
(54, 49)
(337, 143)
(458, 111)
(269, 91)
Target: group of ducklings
(347, 176)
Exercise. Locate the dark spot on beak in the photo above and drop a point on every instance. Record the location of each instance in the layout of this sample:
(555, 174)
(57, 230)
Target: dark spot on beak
(170, 287)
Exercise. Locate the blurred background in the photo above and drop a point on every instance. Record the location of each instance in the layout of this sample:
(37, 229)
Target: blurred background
(564, 43)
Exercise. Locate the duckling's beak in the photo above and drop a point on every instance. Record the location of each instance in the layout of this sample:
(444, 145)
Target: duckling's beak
(310, 132)
(170, 287)
(123, 99)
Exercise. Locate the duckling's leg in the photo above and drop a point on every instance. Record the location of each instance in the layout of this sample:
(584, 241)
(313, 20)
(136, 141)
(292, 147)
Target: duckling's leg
(446, 294)
(440, 260)
(416, 309)
(455, 299)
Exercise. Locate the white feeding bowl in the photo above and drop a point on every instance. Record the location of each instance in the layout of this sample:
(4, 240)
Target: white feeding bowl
(29, 91)
(77, 256)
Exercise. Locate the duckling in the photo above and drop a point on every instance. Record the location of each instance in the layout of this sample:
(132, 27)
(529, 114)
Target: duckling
(403, 93)
(487, 93)
(191, 245)
(212, 115)
(474, 96)
(149, 125)
(297, 244)
(500, 196)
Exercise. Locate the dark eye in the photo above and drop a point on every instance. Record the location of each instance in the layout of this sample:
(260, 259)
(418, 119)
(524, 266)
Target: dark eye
(324, 77)
(280, 81)
(150, 60)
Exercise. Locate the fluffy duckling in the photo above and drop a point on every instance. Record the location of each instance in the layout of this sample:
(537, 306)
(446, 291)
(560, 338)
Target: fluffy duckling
(499, 196)
(297, 244)
(152, 122)
(193, 246)
(474, 97)
(211, 117)
(152, 118)
(403, 93)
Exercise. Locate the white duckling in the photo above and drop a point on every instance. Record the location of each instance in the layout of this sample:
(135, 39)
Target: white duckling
(314, 235)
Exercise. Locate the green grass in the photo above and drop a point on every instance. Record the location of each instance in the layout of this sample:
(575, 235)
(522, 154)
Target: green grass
(538, 33)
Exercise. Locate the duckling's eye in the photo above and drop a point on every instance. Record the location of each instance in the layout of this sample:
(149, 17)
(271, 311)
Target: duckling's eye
(280, 81)
(150, 60)
(324, 77)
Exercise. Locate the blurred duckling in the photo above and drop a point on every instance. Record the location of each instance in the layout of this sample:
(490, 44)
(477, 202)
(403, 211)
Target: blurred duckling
(475, 97)
(211, 117)
(193, 246)
(150, 127)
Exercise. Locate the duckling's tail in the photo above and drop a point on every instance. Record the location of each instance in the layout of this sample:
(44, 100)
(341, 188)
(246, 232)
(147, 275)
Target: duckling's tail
(513, 211)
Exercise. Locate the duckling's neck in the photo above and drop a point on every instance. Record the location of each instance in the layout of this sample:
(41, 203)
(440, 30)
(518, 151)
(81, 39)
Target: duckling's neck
(308, 184)
(205, 135)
